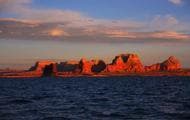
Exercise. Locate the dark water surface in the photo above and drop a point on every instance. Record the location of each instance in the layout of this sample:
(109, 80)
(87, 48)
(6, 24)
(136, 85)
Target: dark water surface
(112, 98)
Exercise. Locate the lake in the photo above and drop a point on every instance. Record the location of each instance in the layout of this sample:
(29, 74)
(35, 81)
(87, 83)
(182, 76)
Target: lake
(85, 98)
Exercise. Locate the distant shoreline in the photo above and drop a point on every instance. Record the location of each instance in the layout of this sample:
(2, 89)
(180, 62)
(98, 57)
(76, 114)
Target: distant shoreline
(184, 72)
(122, 65)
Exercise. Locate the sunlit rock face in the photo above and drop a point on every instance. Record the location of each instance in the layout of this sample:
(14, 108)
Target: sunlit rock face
(171, 64)
(40, 66)
(85, 66)
(154, 67)
(90, 67)
(125, 63)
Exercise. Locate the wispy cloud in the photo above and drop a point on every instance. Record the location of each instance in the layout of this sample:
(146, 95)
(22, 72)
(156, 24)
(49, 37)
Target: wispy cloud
(15, 6)
(176, 2)
(171, 35)
(166, 35)
(21, 30)
(119, 34)
(56, 23)
(164, 22)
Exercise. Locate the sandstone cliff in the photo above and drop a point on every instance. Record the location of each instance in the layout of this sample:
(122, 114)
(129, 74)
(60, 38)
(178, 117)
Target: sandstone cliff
(171, 64)
(42, 67)
(68, 66)
(90, 67)
(98, 66)
(125, 63)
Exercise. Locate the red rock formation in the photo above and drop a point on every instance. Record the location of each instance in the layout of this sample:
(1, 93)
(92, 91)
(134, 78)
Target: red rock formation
(68, 66)
(50, 70)
(126, 63)
(93, 66)
(117, 65)
(40, 65)
(85, 66)
(98, 66)
(154, 67)
(171, 64)
(122, 63)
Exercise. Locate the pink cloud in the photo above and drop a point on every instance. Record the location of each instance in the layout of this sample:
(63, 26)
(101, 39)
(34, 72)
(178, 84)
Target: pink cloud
(170, 35)
(74, 24)
(176, 2)
(54, 32)
(119, 34)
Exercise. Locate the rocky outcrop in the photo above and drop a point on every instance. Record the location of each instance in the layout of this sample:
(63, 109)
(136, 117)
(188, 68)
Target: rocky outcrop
(98, 66)
(171, 64)
(154, 67)
(125, 63)
(90, 67)
(41, 67)
(50, 70)
(85, 66)
(68, 66)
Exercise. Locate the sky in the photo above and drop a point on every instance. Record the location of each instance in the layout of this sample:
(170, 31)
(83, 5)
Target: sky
(59, 30)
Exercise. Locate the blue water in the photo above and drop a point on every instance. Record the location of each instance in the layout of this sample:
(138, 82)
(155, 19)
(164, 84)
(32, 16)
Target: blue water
(112, 98)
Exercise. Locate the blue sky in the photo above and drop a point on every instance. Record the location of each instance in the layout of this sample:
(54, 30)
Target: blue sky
(120, 9)
(93, 29)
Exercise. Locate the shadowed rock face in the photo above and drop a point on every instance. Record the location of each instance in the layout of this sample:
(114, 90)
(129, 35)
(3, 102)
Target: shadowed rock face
(171, 64)
(126, 63)
(98, 66)
(50, 70)
(68, 66)
(42, 66)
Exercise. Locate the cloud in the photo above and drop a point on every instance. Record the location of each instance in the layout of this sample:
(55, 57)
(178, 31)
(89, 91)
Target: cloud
(15, 29)
(162, 23)
(21, 29)
(170, 35)
(56, 32)
(176, 2)
(15, 6)
(118, 34)
(28, 22)
(69, 18)
(60, 24)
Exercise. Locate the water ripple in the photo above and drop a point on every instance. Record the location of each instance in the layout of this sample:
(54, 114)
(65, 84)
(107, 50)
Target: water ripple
(113, 98)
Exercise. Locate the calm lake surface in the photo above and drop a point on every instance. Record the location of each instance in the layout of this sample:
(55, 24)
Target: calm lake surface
(83, 98)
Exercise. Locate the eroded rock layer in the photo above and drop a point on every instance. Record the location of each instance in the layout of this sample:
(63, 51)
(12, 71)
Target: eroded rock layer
(171, 64)
(44, 67)
(90, 67)
(125, 63)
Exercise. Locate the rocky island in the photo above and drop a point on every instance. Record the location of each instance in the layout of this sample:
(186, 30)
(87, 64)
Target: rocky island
(121, 65)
